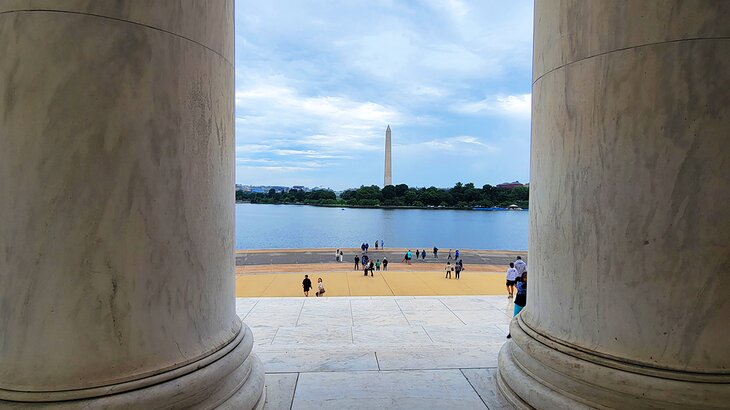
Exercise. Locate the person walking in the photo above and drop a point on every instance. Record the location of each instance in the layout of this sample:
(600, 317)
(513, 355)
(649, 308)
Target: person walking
(372, 268)
(520, 265)
(409, 256)
(385, 263)
(457, 270)
(449, 258)
(511, 279)
(306, 284)
(342, 256)
(377, 265)
(435, 252)
(376, 244)
(449, 269)
(357, 262)
(320, 288)
(456, 255)
(337, 255)
(382, 244)
(423, 255)
(521, 298)
(367, 246)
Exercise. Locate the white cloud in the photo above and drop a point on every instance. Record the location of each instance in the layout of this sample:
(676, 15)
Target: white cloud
(251, 148)
(465, 144)
(316, 127)
(512, 105)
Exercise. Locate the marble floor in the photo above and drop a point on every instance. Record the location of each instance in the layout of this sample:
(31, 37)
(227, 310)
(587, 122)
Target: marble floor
(371, 352)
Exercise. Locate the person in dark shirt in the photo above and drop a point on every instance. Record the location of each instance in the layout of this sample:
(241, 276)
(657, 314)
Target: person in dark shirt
(435, 252)
(521, 297)
(385, 263)
(372, 268)
(357, 262)
(457, 270)
(306, 284)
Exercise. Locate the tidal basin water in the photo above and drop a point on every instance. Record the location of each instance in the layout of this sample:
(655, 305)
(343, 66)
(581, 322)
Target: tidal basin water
(299, 226)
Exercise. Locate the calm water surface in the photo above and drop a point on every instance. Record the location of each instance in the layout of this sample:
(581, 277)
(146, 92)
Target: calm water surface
(297, 226)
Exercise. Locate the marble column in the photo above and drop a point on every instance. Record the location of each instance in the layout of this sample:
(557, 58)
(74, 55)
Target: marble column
(116, 208)
(629, 300)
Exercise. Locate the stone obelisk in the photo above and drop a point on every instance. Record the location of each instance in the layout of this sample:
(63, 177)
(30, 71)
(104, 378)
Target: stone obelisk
(388, 180)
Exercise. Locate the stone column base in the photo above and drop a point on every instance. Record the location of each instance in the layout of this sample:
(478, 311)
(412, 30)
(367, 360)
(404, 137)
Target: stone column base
(538, 372)
(231, 378)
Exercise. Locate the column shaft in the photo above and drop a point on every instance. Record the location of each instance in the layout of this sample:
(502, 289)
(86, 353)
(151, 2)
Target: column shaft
(630, 228)
(116, 205)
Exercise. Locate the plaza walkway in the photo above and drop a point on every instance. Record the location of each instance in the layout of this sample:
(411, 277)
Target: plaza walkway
(280, 273)
(379, 352)
(353, 283)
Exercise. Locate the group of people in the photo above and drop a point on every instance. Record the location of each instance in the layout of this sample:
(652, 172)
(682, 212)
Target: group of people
(370, 265)
(366, 246)
(339, 255)
(456, 269)
(517, 278)
(452, 255)
(307, 285)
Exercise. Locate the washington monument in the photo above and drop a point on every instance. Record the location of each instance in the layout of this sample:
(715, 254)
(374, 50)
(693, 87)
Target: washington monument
(388, 166)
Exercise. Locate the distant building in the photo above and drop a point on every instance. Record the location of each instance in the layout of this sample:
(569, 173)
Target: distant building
(510, 185)
(264, 189)
(299, 188)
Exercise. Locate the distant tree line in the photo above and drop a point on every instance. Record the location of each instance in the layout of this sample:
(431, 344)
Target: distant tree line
(294, 196)
(459, 196)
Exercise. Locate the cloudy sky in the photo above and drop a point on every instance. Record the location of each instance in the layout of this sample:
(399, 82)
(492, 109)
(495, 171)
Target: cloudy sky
(317, 82)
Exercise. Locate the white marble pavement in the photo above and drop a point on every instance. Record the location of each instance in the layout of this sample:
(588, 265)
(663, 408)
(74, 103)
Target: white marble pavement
(370, 352)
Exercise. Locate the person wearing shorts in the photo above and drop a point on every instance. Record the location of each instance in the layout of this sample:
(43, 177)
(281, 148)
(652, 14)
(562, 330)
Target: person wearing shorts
(511, 279)
(306, 284)
(521, 298)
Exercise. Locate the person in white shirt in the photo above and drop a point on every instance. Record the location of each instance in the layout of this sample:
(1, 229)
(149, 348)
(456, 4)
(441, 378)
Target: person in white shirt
(520, 265)
(320, 288)
(512, 275)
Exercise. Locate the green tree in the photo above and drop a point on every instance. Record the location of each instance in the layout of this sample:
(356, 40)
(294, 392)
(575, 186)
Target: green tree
(389, 192)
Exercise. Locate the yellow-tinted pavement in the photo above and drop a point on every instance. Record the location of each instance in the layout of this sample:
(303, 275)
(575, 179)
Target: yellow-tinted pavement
(353, 283)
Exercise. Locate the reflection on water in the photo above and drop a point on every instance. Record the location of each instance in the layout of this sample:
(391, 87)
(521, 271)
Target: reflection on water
(297, 226)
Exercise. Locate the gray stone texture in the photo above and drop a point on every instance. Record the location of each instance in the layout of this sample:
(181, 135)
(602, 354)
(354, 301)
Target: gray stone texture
(116, 213)
(630, 228)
